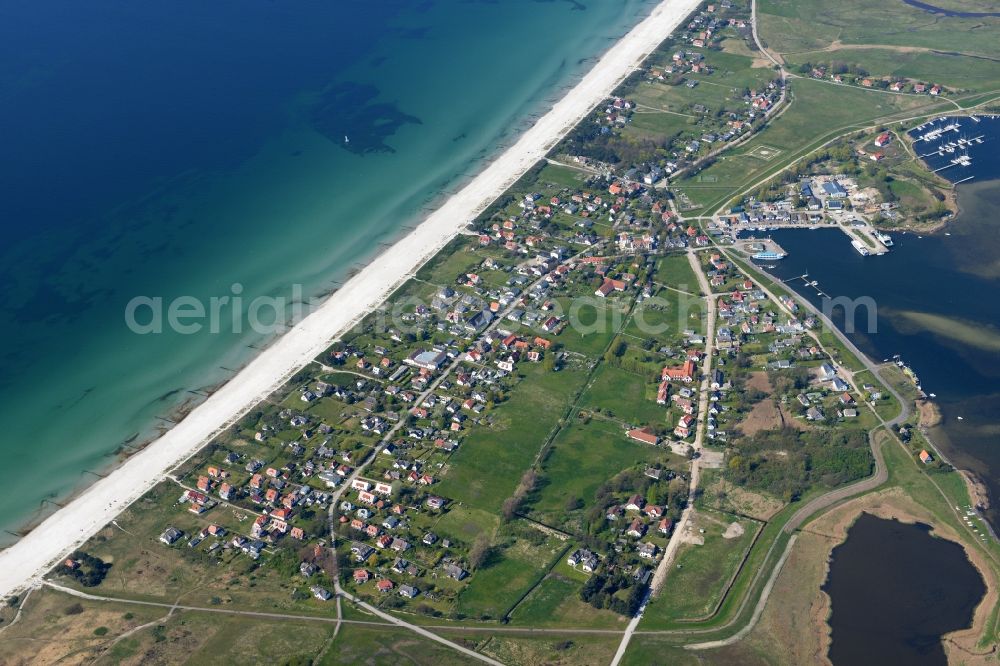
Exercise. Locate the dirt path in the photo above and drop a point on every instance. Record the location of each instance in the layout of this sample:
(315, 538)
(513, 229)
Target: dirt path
(837, 45)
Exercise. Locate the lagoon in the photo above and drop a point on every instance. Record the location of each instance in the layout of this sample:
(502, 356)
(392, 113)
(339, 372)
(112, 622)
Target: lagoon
(895, 590)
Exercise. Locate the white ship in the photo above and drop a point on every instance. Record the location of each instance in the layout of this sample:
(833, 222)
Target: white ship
(885, 239)
(860, 247)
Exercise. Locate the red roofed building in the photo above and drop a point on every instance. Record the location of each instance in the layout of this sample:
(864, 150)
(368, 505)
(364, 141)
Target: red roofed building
(684, 373)
(644, 435)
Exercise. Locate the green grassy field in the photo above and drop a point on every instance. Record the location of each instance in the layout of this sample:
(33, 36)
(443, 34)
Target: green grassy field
(665, 317)
(675, 271)
(486, 468)
(629, 397)
(593, 323)
(701, 573)
(556, 602)
(511, 573)
(464, 524)
(447, 265)
(804, 25)
(555, 174)
(583, 457)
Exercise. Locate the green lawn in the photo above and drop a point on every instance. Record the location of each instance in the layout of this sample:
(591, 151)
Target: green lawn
(583, 457)
(517, 566)
(567, 177)
(629, 397)
(675, 271)
(456, 259)
(665, 316)
(591, 323)
(463, 524)
(556, 602)
(803, 25)
(487, 467)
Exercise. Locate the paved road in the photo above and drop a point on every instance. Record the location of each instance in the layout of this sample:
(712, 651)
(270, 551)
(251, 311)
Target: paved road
(420, 630)
(204, 609)
(629, 631)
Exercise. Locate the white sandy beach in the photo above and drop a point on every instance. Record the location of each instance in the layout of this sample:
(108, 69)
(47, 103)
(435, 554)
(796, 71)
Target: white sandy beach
(60, 533)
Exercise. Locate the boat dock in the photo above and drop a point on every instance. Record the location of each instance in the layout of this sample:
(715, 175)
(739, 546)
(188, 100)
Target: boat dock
(864, 235)
(809, 283)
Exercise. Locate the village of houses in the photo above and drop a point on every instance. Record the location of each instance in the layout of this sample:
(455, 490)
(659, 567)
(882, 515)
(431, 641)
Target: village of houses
(694, 99)
(364, 449)
(825, 198)
(395, 465)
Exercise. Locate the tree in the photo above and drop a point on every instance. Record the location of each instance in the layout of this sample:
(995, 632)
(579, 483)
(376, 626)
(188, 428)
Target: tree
(510, 507)
(480, 552)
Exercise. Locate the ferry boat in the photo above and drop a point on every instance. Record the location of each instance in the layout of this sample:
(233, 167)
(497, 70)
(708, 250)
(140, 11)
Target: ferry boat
(885, 239)
(860, 247)
(768, 255)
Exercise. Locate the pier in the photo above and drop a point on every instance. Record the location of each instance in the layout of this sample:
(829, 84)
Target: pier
(813, 284)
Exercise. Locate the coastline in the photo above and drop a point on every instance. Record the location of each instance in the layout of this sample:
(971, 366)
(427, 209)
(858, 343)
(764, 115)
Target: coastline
(95, 506)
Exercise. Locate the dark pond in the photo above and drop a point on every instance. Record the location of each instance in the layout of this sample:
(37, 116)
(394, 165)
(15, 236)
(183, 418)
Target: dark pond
(895, 590)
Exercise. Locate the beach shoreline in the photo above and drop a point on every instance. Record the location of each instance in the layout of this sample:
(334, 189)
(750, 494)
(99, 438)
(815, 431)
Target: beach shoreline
(24, 562)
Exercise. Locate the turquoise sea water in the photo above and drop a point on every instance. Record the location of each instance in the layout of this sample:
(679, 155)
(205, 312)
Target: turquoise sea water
(171, 149)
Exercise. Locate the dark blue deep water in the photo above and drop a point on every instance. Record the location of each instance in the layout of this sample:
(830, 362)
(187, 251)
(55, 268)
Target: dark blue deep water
(895, 590)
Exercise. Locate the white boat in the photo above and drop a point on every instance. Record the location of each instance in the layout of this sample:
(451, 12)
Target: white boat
(860, 247)
(885, 239)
